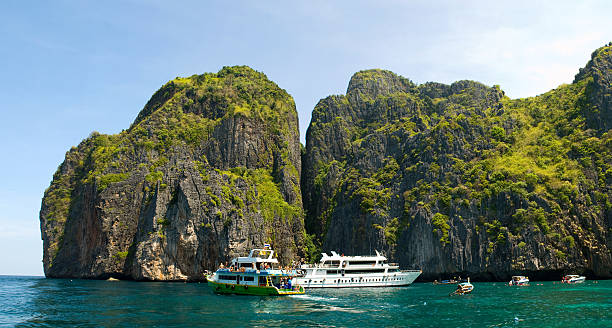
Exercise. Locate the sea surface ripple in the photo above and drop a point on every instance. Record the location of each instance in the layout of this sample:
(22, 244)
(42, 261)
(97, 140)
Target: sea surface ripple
(40, 302)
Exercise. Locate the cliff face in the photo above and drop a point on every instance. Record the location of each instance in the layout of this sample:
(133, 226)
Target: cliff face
(209, 169)
(458, 178)
(450, 179)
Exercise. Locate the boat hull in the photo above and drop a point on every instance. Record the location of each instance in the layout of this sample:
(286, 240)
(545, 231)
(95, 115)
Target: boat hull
(224, 288)
(522, 283)
(404, 278)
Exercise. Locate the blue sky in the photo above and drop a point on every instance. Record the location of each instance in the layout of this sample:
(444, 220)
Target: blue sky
(73, 67)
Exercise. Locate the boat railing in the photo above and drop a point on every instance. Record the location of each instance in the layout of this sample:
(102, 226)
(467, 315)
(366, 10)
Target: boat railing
(237, 270)
(273, 272)
(319, 265)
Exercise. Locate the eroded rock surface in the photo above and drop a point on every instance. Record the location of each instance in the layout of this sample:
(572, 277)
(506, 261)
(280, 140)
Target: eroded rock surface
(209, 170)
(460, 179)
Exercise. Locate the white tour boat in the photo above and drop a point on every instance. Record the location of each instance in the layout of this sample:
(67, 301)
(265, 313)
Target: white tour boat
(519, 281)
(573, 279)
(463, 288)
(355, 271)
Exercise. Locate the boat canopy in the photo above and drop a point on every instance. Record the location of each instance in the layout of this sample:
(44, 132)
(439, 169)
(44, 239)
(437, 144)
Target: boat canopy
(335, 257)
(257, 256)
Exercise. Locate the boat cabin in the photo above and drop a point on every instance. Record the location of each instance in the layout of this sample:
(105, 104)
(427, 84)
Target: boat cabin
(255, 279)
(258, 259)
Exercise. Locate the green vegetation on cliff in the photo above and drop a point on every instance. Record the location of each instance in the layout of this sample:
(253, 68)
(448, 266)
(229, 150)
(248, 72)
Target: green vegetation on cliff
(446, 178)
(219, 150)
(510, 177)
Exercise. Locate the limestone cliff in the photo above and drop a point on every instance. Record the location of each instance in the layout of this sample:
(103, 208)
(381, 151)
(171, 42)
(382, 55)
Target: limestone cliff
(209, 169)
(460, 179)
(450, 179)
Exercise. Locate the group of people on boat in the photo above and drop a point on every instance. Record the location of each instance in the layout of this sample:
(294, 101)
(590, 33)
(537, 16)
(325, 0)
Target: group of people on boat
(454, 280)
(284, 284)
(233, 268)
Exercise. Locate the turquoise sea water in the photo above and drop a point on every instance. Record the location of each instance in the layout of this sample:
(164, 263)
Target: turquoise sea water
(39, 302)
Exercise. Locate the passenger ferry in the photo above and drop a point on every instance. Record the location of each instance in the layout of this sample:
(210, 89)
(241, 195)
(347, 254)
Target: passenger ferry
(355, 271)
(256, 274)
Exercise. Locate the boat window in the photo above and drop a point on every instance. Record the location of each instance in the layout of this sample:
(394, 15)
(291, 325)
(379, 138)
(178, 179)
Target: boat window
(362, 262)
(248, 278)
(364, 271)
(226, 277)
(334, 263)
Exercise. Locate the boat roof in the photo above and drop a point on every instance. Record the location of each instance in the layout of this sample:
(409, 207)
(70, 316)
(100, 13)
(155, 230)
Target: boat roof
(335, 256)
(258, 255)
(269, 272)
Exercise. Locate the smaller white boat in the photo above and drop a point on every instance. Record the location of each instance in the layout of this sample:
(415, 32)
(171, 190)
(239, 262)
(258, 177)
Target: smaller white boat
(464, 288)
(519, 281)
(573, 279)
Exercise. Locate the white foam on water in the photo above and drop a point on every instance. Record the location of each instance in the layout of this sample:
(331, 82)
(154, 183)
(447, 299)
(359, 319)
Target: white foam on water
(314, 298)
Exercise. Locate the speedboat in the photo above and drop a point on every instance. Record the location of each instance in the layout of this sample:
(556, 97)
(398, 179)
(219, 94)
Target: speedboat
(355, 271)
(464, 288)
(256, 274)
(573, 279)
(519, 281)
